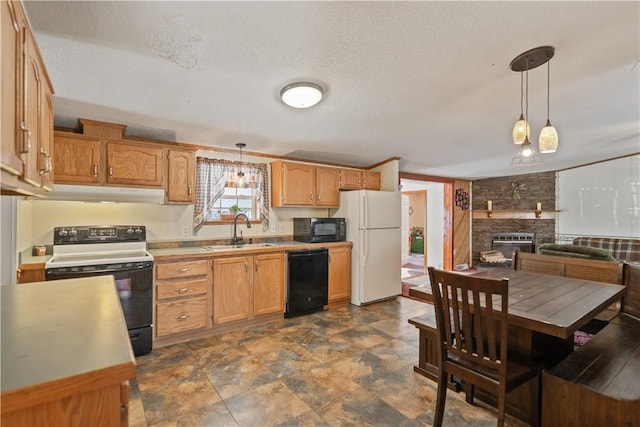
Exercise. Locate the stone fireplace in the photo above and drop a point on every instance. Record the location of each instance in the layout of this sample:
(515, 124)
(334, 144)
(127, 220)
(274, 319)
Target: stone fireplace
(533, 189)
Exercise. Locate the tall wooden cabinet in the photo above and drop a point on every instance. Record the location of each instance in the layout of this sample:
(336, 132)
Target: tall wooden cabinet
(339, 275)
(27, 113)
(300, 184)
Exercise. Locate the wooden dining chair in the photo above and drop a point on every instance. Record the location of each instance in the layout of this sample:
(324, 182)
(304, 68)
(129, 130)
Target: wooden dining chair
(471, 317)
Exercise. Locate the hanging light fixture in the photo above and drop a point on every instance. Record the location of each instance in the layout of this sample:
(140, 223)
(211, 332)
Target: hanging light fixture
(521, 129)
(548, 141)
(527, 154)
(241, 145)
(301, 95)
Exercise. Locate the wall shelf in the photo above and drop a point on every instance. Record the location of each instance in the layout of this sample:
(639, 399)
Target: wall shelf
(514, 214)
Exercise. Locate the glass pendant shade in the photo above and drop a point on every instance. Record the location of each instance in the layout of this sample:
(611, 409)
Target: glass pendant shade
(527, 155)
(548, 141)
(521, 130)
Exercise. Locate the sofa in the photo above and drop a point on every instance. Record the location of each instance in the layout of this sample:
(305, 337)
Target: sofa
(599, 248)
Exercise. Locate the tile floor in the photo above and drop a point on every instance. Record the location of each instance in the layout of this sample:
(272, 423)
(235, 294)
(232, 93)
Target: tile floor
(351, 366)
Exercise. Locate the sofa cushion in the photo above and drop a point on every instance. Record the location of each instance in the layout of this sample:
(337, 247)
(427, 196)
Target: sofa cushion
(627, 250)
(575, 251)
(621, 248)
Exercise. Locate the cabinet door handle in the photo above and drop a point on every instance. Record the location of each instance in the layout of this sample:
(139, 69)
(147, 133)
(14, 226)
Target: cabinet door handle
(183, 270)
(182, 290)
(47, 162)
(95, 169)
(182, 317)
(110, 170)
(359, 181)
(189, 190)
(256, 265)
(318, 197)
(246, 266)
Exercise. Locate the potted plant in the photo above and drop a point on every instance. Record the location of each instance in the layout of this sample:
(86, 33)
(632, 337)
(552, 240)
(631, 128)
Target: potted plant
(235, 209)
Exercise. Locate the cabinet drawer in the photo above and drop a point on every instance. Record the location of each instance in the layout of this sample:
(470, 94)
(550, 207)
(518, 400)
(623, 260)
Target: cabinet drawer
(174, 270)
(180, 316)
(182, 288)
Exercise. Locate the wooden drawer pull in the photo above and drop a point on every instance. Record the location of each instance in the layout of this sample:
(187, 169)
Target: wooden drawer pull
(183, 270)
(183, 317)
(182, 290)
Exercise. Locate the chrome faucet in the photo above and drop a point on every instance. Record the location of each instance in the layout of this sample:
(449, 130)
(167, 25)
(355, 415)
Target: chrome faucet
(237, 239)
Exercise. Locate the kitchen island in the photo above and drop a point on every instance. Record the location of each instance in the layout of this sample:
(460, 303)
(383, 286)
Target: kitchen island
(66, 355)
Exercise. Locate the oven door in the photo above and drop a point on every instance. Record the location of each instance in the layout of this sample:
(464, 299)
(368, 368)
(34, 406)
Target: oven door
(134, 282)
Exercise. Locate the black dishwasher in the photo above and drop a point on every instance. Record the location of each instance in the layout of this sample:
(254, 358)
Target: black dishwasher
(307, 281)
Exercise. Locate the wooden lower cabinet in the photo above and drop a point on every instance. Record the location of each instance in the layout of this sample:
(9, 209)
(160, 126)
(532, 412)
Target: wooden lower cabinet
(268, 284)
(339, 275)
(182, 296)
(232, 289)
(28, 273)
(247, 286)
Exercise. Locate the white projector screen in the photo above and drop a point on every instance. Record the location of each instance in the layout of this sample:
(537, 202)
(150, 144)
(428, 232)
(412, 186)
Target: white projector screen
(602, 199)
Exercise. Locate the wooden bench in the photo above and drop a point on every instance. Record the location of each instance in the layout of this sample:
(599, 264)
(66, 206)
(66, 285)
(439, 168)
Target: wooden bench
(599, 383)
(428, 347)
(577, 268)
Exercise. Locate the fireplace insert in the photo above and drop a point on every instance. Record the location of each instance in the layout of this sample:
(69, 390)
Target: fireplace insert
(508, 243)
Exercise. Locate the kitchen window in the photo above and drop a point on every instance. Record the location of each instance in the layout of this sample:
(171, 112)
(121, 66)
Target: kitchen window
(218, 189)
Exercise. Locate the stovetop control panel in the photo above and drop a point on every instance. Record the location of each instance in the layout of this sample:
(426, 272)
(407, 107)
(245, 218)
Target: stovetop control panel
(99, 234)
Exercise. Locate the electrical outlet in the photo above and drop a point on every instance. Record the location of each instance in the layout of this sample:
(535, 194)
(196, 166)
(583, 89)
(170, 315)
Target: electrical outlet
(272, 228)
(185, 231)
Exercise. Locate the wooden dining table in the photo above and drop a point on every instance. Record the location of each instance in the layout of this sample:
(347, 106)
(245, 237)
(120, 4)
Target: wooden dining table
(544, 312)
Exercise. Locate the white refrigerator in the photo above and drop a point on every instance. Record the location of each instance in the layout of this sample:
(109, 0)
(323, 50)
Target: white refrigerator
(373, 226)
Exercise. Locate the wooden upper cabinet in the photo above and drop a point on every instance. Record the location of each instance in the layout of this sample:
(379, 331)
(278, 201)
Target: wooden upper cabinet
(12, 86)
(351, 179)
(370, 180)
(327, 184)
(300, 184)
(134, 164)
(77, 159)
(181, 175)
(27, 119)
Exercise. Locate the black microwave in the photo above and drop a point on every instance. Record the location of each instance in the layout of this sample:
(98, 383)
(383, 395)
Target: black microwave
(316, 230)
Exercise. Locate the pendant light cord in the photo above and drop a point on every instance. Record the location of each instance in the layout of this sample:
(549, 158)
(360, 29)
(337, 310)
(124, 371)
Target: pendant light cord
(526, 114)
(521, 93)
(548, 85)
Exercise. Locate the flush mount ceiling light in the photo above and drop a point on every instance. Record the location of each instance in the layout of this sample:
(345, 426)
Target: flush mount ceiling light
(241, 145)
(548, 141)
(301, 95)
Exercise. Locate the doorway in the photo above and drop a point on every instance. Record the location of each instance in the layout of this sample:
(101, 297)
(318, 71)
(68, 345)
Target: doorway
(438, 217)
(415, 217)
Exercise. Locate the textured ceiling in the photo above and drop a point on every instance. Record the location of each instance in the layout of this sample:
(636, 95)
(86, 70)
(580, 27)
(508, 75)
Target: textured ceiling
(428, 82)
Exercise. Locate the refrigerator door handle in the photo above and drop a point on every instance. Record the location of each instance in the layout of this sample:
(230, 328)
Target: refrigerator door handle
(365, 242)
(365, 211)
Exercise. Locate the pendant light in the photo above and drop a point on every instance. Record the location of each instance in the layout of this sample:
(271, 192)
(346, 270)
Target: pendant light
(241, 145)
(527, 154)
(548, 140)
(521, 128)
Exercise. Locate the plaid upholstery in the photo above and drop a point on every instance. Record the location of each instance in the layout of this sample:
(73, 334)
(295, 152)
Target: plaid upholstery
(621, 249)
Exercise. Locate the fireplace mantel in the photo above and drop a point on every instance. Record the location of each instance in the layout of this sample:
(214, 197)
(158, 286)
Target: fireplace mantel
(513, 214)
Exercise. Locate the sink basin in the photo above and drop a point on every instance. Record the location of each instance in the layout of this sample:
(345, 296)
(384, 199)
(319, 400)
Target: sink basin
(215, 248)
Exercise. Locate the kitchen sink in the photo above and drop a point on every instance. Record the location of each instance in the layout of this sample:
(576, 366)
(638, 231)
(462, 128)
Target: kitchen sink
(215, 248)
